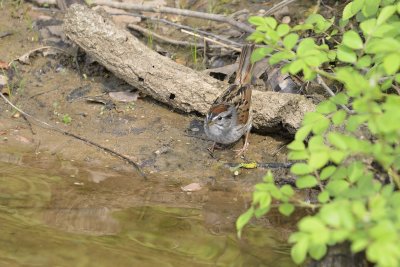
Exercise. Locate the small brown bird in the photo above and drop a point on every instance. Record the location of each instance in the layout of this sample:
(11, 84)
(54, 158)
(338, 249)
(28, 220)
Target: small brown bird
(229, 117)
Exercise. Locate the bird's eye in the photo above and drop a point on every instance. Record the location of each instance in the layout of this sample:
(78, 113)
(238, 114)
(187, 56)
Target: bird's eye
(219, 118)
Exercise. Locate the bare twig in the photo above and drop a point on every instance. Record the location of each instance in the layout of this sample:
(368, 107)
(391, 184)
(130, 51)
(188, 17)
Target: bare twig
(321, 81)
(176, 11)
(4, 34)
(278, 6)
(38, 49)
(211, 40)
(180, 26)
(54, 128)
(266, 165)
(161, 38)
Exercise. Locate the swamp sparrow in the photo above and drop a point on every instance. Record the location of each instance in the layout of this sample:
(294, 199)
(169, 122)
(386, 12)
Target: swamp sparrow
(229, 117)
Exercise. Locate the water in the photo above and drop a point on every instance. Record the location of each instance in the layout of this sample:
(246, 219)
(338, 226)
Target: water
(47, 218)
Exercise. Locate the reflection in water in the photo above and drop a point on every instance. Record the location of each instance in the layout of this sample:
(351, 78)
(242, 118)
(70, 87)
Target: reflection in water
(42, 227)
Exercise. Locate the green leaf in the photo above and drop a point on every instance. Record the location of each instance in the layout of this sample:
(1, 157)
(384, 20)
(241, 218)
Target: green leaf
(270, 21)
(296, 145)
(290, 40)
(370, 8)
(348, 12)
(262, 198)
(326, 107)
(391, 63)
(317, 251)
(352, 40)
(257, 37)
(355, 121)
(330, 215)
(340, 173)
(355, 171)
(368, 26)
(287, 190)
(321, 125)
(268, 178)
(323, 197)
(243, 220)
(397, 78)
(316, 144)
(305, 46)
(327, 172)
(337, 187)
(303, 132)
(260, 53)
(307, 181)
(309, 74)
(296, 66)
(340, 99)
(339, 117)
(385, 45)
(66, 119)
(318, 159)
(359, 245)
(286, 209)
(258, 21)
(337, 140)
(357, 5)
(364, 62)
(299, 250)
(359, 209)
(283, 29)
(298, 155)
(280, 56)
(385, 14)
(300, 169)
(345, 54)
(337, 156)
(259, 212)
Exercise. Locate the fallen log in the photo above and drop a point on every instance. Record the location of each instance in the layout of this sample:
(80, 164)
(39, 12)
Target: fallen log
(167, 81)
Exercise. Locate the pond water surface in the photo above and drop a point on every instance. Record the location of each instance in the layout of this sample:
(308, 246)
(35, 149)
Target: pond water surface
(47, 218)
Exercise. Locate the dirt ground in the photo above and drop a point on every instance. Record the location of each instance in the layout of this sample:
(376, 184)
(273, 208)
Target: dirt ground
(169, 147)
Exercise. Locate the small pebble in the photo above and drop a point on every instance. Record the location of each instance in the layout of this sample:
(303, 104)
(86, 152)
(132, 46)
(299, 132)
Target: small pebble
(286, 20)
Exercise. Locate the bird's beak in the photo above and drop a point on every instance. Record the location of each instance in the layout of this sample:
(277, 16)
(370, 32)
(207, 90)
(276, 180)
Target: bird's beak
(210, 123)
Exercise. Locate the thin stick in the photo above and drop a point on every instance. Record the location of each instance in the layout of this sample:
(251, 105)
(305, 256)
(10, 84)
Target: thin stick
(176, 11)
(211, 40)
(321, 81)
(39, 49)
(180, 26)
(54, 128)
(278, 6)
(161, 38)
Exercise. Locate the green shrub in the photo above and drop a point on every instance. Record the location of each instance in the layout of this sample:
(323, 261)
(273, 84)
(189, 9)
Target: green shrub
(349, 147)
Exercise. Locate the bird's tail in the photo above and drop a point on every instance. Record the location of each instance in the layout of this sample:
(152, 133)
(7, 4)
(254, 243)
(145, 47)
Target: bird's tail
(244, 72)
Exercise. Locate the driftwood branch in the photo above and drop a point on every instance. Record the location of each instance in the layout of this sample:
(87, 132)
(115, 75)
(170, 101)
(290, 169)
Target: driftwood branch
(166, 81)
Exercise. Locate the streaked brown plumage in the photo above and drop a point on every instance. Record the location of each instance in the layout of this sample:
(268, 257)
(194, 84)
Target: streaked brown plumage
(229, 117)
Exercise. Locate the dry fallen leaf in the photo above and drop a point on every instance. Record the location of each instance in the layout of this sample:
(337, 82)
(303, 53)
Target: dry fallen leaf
(23, 139)
(3, 80)
(191, 187)
(3, 65)
(124, 96)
